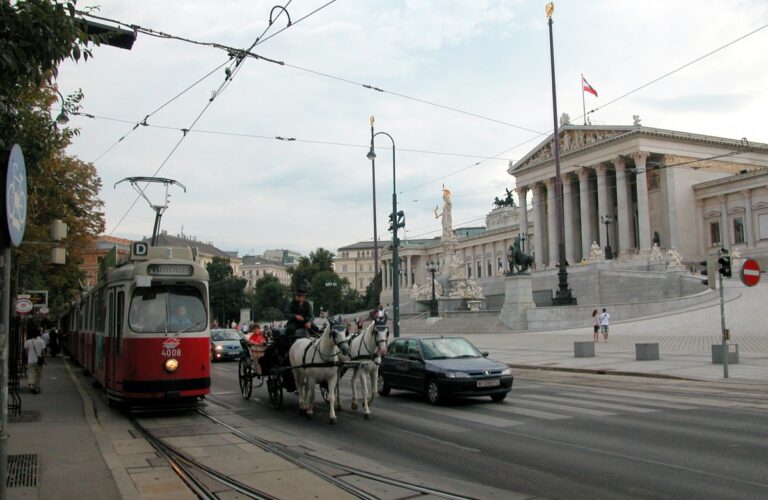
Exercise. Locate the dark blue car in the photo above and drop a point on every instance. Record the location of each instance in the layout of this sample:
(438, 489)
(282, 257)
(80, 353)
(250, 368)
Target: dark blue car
(442, 367)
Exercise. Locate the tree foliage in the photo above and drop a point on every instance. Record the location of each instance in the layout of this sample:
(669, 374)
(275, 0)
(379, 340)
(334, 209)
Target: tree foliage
(227, 292)
(315, 272)
(303, 273)
(268, 298)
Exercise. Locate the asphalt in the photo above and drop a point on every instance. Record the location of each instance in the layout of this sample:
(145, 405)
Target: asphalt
(86, 450)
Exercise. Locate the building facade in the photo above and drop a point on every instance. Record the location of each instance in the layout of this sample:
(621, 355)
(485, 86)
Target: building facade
(355, 263)
(631, 186)
(205, 249)
(96, 252)
(253, 268)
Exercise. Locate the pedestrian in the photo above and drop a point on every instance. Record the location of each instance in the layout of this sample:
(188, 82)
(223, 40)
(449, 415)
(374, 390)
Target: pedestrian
(596, 322)
(55, 337)
(605, 320)
(46, 338)
(35, 361)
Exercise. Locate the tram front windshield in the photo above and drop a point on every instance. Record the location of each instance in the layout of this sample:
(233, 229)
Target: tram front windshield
(167, 310)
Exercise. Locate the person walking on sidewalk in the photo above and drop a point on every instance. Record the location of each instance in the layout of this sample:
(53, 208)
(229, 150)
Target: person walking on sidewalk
(605, 321)
(35, 361)
(596, 321)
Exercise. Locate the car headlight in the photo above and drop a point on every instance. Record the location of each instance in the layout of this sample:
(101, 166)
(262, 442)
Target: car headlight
(219, 347)
(506, 371)
(171, 365)
(457, 374)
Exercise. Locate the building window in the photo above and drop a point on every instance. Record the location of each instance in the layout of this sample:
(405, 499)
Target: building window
(344, 268)
(479, 269)
(738, 230)
(490, 268)
(469, 271)
(714, 234)
(370, 268)
(762, 222)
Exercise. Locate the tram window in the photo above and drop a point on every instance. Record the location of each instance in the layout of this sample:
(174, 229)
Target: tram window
(111, 324)
(101, 311)
(167, 309)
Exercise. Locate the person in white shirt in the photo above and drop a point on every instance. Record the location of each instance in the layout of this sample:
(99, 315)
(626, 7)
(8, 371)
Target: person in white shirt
(35, 361)
(605, 320)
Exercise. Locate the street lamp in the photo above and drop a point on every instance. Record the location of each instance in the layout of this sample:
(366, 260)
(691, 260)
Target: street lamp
(432, 268)
(372, 157)
(608, 252)
(327, 285)
(63, 118)
(563, 296)
(397, 220)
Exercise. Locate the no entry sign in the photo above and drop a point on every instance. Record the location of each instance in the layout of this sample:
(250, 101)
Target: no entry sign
(750, 272)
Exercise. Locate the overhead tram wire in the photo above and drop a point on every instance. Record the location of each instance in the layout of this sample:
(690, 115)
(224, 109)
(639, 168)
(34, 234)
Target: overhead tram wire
(228, 79)
(679, 68)
(156, 110)
(287, 139)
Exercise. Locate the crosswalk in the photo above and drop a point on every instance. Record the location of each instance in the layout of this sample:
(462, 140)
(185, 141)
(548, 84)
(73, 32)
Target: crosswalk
(523, 408)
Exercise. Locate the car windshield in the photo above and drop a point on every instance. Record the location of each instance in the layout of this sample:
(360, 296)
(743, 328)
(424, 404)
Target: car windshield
(167, 310)
(224, 335)
(448, 348)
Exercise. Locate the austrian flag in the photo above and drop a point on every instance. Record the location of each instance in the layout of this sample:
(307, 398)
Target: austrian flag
(587, 87)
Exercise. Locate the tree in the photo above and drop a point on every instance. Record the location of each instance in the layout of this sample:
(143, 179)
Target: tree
(268, 298)
(327, 289)
(371, 297)
(227, 292)
(304, 272)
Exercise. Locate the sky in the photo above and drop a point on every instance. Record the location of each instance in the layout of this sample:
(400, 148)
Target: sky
(247, 191)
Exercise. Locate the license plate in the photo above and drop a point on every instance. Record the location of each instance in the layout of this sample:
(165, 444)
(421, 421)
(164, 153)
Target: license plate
(489, 383)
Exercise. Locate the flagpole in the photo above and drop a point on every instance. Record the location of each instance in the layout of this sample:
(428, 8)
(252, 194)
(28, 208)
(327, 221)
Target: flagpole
(583, 105)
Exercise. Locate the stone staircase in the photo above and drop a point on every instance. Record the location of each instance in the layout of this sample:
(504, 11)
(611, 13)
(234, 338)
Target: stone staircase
(455, 324)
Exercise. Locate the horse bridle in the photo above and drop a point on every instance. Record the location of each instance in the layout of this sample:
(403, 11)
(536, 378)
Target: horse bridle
(370, 352)
(335, 334)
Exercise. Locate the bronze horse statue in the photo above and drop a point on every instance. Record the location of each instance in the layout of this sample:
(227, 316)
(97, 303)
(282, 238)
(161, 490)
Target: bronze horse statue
(518, 259)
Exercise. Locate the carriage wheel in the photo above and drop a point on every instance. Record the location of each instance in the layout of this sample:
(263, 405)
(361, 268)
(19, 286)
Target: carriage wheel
(275, 389)
(245, 377)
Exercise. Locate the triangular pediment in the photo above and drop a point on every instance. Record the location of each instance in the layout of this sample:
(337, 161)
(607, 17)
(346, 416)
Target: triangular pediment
(572, 138)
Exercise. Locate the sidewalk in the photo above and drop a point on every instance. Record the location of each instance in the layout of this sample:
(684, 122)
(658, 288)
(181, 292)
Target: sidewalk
(79, 448)
(685, 339)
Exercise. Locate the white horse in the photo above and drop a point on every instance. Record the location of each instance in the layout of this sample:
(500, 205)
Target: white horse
(367, 348)
(314, 361)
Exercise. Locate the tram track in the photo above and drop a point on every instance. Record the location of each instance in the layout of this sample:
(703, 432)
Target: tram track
(193, 473)
(316, 465)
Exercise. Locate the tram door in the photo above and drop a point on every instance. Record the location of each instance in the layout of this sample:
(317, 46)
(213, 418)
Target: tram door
(116, 314)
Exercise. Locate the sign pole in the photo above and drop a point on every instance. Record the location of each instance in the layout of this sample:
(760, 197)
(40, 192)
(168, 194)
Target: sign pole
(5, 335)
(722, 327)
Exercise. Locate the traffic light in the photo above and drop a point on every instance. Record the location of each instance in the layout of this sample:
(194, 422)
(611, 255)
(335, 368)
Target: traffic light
(396, 220)
(708, 269)
(725, 266)
(400, 219)
(703, 271)
(392, 221)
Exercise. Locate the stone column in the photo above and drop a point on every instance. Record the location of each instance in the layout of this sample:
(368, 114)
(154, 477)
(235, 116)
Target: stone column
(551, 222)
(725, 239)
(622, 206)
(585, 222)
(538, 224)
(643, 214)
(602, 201)
(568, 217)
(701, 244)
(522, 191)
(748, 225)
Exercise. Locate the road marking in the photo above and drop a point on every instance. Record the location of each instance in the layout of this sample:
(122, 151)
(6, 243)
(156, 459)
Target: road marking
(660, 404)
(596, 404)
(660, 397)
(436, 440)
(426, 422)
(465, 415)
(222, 393)
(509, 408)
(572, 409)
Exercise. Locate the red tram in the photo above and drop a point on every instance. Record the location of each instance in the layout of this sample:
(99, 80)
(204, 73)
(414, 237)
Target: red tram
(142, 332)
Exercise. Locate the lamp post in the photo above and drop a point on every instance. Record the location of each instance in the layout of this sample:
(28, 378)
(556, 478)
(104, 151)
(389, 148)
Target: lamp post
(375, 236)
(329, 284)
(63, 118)
(522, 242)
(397, 220)
(432, 268)
(608, 252)
(563, 296)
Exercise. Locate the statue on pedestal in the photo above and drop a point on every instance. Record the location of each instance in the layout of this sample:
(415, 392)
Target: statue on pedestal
(447, 218)
(518, 259)
(674, 258)
(656, 252)
(595, 252)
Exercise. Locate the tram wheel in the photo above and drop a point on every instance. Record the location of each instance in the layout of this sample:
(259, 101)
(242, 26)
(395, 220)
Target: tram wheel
(275, 389)
(245, 377)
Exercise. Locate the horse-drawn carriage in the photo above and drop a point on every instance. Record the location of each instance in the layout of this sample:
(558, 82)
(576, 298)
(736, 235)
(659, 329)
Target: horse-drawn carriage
(320, 359)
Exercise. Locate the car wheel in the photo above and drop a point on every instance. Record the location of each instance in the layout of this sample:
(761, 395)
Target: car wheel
(381, 386)
(499, 397)
(433, 393)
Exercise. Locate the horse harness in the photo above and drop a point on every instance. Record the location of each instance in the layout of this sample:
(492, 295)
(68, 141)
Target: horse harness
(371, 354)
(327, 363)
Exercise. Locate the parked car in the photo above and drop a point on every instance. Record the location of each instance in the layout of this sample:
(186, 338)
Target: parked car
(442, 367)
(225, 344)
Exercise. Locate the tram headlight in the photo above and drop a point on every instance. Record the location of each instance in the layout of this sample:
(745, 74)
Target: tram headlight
(171, 365)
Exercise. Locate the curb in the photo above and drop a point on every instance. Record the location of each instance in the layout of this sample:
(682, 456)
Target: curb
(595, 371)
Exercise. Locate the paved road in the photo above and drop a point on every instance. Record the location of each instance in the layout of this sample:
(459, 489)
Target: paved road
(558, 435)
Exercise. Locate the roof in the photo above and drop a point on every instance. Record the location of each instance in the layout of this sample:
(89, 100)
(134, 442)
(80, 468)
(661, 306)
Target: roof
(363, 245)
(166, 240)
(257, 260)
(622, 132)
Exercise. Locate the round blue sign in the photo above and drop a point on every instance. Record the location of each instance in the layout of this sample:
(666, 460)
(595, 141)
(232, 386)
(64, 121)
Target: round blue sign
(16, 195)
